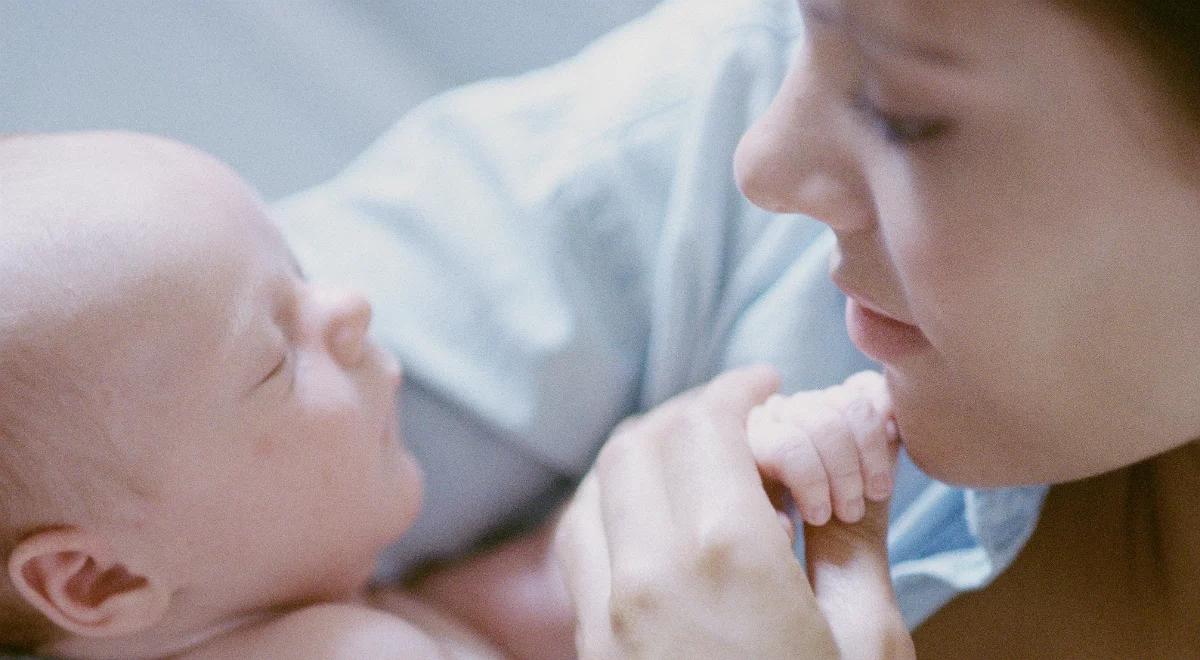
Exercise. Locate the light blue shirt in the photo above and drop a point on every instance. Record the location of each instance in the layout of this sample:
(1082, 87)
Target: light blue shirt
(551, 253)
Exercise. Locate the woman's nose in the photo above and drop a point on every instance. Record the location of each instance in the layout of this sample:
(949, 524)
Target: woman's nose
(348, 316)
(796, 158)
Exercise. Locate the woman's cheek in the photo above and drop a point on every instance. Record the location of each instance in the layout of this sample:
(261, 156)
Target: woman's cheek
(980, 329)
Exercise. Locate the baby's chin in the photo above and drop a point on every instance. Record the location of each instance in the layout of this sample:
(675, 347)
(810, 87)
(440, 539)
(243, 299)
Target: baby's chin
(414, 479)
(407, 490)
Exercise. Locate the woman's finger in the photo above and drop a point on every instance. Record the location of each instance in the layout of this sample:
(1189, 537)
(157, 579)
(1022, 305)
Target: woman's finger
(718, 577)
(633, 500)
(638, 478)
(582, 552)
(712, 477)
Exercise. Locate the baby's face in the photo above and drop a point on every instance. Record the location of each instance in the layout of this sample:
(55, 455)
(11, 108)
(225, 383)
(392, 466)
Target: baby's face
(261, 409)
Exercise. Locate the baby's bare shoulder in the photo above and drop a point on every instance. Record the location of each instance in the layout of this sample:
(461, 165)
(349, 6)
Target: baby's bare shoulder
(327, 630)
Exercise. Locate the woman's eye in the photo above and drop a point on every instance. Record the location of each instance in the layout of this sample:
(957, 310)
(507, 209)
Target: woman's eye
(897, 129)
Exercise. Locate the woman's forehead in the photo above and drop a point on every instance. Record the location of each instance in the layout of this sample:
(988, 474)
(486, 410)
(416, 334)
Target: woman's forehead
(939, 29)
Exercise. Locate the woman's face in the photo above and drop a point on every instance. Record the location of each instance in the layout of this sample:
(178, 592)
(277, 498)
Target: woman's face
(1017, 229)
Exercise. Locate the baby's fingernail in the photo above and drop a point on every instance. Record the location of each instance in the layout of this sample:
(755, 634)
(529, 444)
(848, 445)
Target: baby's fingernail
(853, 511)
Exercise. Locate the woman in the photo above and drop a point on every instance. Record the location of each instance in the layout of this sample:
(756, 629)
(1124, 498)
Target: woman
(1014, 194)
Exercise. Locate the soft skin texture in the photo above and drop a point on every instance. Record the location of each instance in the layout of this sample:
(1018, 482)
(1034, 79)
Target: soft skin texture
(1001, 176)
(552, 253)
(247, 415)
(673, 549)
(1017, 234)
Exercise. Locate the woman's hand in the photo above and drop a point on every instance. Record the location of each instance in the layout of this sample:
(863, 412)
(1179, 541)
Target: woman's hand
(672, 547)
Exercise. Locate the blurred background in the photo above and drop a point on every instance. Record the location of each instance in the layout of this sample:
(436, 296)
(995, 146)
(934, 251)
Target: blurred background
(287, 91)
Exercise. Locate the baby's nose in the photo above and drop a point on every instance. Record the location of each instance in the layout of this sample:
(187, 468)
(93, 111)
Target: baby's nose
(349, 316)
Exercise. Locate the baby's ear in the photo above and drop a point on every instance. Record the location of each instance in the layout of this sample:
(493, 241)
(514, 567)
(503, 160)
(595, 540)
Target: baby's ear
(74, 578)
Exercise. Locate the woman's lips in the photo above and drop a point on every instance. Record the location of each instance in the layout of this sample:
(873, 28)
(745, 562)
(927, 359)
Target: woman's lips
(882, 338)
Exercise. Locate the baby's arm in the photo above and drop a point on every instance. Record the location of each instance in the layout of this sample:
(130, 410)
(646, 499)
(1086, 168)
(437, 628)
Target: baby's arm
(830, 448)
(351, 631)
(512, 593)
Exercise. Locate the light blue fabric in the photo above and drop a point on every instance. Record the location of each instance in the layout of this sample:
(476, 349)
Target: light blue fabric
(552, 253)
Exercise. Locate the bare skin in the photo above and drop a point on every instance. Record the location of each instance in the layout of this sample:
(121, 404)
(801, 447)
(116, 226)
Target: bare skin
(252, 470)
(1016, 232)
(654, 548)
(262, 387)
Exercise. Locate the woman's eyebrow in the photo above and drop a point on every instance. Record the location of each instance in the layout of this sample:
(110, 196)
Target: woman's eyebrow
(875, 38)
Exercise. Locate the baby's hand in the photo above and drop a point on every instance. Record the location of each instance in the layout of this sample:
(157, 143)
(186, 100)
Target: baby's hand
(829, 447)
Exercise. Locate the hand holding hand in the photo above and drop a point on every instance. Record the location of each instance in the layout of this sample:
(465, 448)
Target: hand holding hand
(672, 548)
(833, 449)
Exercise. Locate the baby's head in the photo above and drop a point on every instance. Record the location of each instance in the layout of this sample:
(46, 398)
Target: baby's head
(188, 429)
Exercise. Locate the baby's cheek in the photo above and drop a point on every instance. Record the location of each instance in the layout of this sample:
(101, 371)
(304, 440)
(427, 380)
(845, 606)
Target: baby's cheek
(333, 429)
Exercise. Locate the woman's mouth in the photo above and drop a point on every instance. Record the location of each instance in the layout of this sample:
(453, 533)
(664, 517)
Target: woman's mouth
(881, 337)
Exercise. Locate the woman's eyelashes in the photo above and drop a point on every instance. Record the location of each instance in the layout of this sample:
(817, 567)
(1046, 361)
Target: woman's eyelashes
(898, 129)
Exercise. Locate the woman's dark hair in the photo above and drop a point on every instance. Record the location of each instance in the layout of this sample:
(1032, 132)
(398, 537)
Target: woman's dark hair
(1167, 31)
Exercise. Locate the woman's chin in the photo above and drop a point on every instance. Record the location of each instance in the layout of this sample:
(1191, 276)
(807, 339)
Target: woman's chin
(973, 466)
(943, 468)
(947, 458)
(949, 441)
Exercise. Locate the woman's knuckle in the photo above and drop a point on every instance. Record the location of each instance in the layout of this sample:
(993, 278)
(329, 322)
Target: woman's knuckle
(715, 558)
(722, 557)
(629, 609)
(636, 591)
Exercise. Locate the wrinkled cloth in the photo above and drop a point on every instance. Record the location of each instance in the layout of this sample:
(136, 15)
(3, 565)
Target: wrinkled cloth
(551, 253)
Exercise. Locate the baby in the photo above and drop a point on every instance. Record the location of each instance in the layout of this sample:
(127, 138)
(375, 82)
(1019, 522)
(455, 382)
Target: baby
(198, 448)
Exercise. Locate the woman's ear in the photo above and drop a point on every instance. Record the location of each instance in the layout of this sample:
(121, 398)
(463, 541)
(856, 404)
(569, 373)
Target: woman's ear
(75, 579)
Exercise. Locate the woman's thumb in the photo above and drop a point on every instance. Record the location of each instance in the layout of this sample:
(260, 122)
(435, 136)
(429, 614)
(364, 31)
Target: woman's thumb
(848, 567)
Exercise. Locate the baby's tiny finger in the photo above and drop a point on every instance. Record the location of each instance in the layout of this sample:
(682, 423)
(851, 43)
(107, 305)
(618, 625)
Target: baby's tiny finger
(839, 455)
(793, 461)
(874, 448)
(859, 403)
